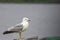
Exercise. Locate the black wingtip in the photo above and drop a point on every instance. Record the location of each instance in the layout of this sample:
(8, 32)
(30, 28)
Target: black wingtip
(7, 32)
(3, 33)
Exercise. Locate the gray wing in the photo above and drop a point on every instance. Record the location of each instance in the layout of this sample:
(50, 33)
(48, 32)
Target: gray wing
(14, 29)
(17, 27)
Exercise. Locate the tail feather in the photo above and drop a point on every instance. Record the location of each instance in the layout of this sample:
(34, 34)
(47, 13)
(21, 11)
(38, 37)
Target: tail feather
(8, 32)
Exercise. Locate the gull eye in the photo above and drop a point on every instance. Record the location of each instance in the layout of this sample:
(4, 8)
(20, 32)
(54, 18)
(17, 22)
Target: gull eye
(25, 19)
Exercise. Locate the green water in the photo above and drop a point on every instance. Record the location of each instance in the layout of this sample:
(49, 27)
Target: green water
(53, 38)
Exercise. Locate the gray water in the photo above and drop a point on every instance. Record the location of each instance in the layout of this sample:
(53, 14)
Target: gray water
(45, 19)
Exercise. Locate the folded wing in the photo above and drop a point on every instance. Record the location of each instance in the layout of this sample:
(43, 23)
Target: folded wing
(14, 29)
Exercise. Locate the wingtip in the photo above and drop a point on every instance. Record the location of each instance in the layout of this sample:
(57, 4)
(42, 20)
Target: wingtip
(4, 33)
(7, 32)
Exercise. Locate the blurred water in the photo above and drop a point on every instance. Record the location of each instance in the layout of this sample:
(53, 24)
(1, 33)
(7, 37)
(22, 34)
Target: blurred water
(45, 19)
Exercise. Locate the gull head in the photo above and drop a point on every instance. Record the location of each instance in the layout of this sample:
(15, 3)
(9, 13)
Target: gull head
(26, 19)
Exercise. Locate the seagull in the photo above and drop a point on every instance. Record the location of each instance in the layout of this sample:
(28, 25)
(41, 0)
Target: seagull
(19, 28)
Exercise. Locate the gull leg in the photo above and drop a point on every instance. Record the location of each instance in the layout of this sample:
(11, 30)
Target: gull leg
(21, 37)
